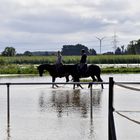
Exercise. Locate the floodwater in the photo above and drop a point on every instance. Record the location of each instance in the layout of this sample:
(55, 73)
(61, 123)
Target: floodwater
(39, 112)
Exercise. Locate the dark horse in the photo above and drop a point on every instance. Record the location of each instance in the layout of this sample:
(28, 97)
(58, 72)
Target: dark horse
(92, 71)
(54, 71)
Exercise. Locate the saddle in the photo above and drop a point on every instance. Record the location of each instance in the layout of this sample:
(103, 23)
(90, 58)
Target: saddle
(60, 70)
(82, 69)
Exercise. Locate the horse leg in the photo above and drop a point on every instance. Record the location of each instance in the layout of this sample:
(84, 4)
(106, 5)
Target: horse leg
(93, 80)
(74, 84)
(79, 85)
(76, 80)
(102, 86)
(67, 78)
(100, 80)
(53, 80)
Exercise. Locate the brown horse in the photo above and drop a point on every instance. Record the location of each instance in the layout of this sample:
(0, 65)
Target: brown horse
(92, 71)
(54, 71)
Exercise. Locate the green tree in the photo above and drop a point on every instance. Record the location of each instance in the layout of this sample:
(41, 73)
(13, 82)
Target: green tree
(131, 48)
(122, 47)
(27, 53)
(137, 47)
(92, 52)
(74, 49)
(9, 51)
(118, 51)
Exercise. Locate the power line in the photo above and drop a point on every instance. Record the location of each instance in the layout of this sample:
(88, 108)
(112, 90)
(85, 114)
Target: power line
(115, 41)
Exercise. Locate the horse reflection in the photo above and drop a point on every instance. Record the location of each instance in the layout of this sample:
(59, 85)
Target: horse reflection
(97, 98)
(67, 101)
(76, 98)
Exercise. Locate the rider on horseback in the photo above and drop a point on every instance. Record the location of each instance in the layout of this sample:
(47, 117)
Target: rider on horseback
(59, 58)
(59, 64)
(83, 62)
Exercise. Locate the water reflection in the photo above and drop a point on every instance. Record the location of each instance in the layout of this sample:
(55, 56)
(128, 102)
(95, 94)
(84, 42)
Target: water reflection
(97, 98)
(69, 101)
(91, 130)
(72, 103)
(8, 132)
(42, 102)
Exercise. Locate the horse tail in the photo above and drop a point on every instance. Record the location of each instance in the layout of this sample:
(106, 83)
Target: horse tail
(99, 76)
(96, 70)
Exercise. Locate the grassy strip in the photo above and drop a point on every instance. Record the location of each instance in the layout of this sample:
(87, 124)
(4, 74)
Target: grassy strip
(121, 70)
(98, 59)
(25, 64)
(31, 69)
(17, 69)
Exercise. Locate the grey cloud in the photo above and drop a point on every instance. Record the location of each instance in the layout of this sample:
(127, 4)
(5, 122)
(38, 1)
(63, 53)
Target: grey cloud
(57, 20)
(54, 22)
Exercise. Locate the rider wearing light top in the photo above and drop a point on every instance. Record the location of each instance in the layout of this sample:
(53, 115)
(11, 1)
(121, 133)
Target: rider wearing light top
(83, 62)
(59, 64)
(59, 58)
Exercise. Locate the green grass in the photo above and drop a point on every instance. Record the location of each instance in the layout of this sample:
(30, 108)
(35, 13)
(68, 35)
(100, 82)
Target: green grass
(98, 59)
(121, 70)
(17, 69)
(31, 69)
(114, 59)
(27, 64)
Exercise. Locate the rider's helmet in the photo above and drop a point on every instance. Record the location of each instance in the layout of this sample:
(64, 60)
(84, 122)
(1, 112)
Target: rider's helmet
(82, 51)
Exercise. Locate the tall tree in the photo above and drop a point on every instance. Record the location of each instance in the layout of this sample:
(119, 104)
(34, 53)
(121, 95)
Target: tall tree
(137, 47)
(27, 53)
(92, 52)
(9, 51)
(131, 48)
(74, 49)
(118, 51)
(122, 47)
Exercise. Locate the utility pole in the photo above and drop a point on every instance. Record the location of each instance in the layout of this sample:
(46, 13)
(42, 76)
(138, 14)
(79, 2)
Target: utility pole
(100, 39)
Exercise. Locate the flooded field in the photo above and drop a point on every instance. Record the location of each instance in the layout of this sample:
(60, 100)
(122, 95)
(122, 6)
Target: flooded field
(39, 112)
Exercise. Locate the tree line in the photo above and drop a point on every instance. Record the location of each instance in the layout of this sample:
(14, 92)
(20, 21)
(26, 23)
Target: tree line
(132, 48)
(66, 50)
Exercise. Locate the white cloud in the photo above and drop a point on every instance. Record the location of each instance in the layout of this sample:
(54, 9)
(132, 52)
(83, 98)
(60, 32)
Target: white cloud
(35, 24)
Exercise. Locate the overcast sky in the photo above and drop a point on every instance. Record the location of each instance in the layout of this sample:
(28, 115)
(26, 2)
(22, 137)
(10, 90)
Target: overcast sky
(49, 24)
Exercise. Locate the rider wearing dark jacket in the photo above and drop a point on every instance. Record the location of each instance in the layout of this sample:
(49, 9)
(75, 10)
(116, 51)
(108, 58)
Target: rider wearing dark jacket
(83, 57)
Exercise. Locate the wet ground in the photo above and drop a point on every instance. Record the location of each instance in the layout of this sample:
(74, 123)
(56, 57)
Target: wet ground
(39, 112)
